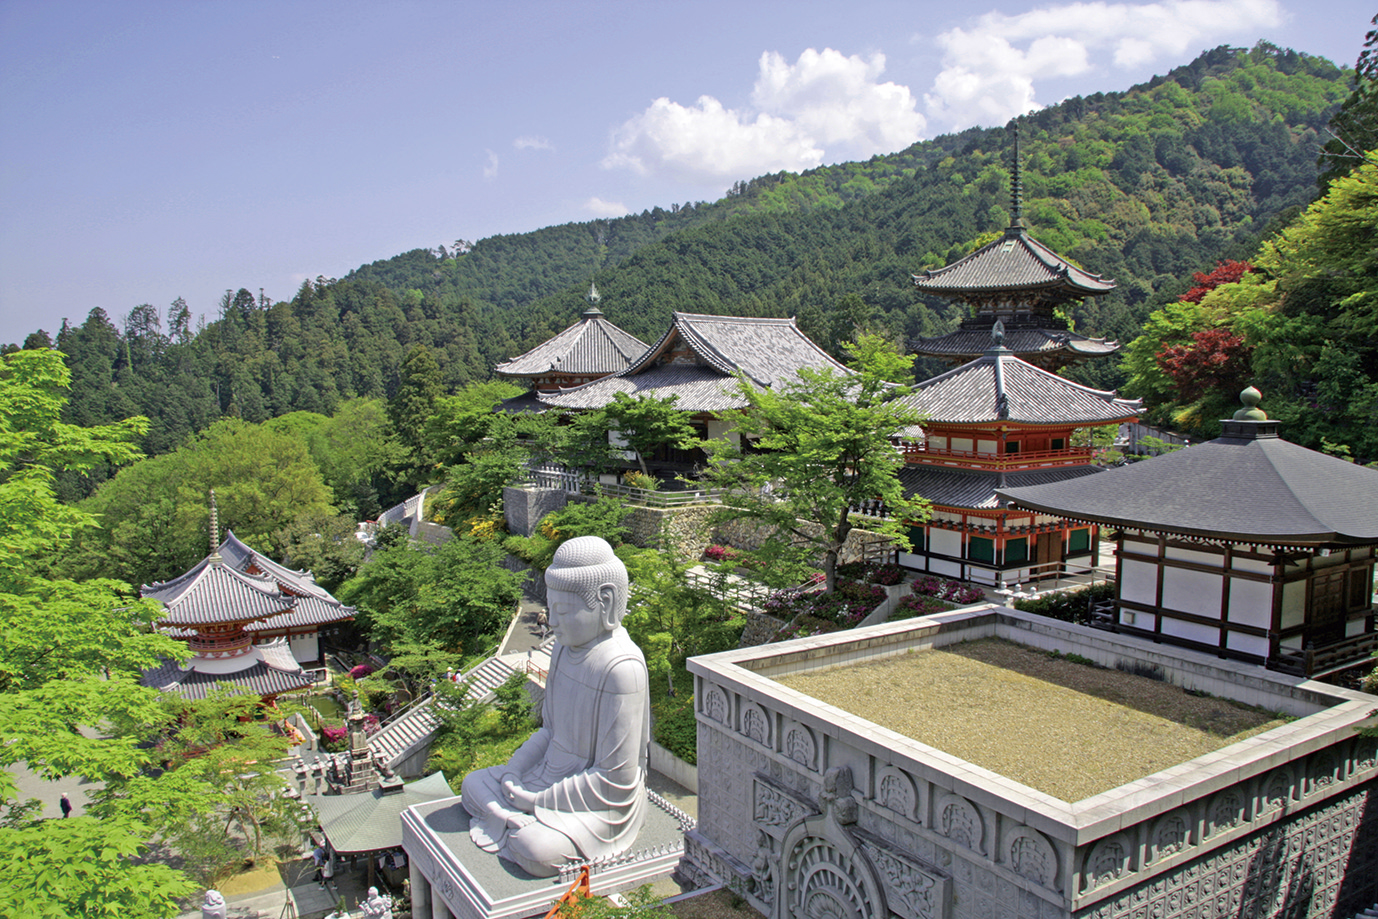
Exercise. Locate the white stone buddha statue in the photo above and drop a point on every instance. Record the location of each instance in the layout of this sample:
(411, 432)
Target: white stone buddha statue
(576, 788)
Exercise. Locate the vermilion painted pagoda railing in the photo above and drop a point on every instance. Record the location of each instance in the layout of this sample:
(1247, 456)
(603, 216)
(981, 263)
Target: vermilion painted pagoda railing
(966, 459)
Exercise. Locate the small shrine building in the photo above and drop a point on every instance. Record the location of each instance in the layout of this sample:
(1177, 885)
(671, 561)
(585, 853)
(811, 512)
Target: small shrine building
(1021, 283)
(1247, 547)
(992, 423)
(590, 349)
(248, 621)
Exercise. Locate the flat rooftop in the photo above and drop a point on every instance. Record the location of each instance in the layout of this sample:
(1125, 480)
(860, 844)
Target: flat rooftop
(1067, 729)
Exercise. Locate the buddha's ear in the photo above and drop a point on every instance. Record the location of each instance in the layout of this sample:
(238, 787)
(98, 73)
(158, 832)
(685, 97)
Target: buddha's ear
(607, 606)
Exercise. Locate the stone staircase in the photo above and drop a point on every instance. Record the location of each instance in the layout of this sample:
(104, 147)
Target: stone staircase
(1370, 913)
(401, 738)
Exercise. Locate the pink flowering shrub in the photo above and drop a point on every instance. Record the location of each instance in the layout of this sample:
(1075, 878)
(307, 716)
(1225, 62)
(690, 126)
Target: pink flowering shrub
(717, 553)
(954, 592)
(359, 671)
(852, 602)
(333, 738)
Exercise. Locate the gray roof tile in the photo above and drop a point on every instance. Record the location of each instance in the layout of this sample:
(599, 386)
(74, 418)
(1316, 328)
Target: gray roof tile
(768, 351)
(998, 386)
(1015, 262)
(976, 489)
(974, 341)
(591, 345)
(1254, 487)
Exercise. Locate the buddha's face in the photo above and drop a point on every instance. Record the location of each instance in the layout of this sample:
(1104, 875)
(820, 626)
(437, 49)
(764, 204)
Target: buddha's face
(574, 622)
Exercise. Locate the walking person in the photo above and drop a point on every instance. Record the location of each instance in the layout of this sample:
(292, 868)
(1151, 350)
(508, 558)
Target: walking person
(66, 805)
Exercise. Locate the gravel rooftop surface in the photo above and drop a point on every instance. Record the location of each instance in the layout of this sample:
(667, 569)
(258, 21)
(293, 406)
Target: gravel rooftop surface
(1066, 729)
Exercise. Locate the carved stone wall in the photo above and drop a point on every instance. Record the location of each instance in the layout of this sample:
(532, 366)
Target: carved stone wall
(1320, 863)
(524, 507)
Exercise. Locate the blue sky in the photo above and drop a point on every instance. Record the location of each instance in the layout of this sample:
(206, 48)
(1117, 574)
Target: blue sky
(152, 150)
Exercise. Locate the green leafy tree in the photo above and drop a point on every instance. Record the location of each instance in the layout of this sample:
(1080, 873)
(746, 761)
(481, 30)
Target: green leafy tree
(71, 658)
(604, 517)
(155, 513)
(645, 423)
(513, 702)
(414, 402)
(453, 597)
(1354, 128)
(821, 447)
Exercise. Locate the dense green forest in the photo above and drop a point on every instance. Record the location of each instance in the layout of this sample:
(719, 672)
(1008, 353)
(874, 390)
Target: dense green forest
(1145, 186)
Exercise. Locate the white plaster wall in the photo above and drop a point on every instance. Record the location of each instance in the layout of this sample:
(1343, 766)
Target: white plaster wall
(1190, 631)
(1252, 564)
(718, 430)
(944, 567)
(305, 648)
(938, 442)
(1138, 581)
(1249, 644)
(1192, 592)
(912, 560)
(961, 443)
(945, 542)
(1293, 610)
(1191, 555)
(1251, 603)
(985, 446)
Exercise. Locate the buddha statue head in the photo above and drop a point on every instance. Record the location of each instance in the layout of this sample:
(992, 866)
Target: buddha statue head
(585, 573)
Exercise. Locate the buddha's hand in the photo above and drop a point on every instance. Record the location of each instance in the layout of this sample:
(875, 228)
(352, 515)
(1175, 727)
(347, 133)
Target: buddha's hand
(517, 796)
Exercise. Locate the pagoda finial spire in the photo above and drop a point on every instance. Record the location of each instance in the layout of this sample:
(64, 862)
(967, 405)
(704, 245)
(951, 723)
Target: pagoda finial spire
(1017, 187)
(593, 297)
(215, 530)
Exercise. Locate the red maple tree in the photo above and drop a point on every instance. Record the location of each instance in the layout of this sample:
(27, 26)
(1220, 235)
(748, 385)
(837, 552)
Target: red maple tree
(1225, 272)
(1217, 360)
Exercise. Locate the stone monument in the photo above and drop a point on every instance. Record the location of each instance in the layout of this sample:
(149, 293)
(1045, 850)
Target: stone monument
(576, 789)
(376, 905)
(213, 907)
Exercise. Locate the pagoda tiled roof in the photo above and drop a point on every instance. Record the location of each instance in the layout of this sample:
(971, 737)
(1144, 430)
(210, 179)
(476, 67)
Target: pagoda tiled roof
(969, 342)
(1247, 486)
(998, 386)
(1014, 263)
(591, 345)
(767, 351)
(275, 671)
(240, 584)
(976, 489)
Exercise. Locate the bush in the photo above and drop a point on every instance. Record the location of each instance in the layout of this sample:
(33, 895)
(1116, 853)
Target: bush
(678, 732)
(719, 553)
(359, 671)
(851, 602)
(954, 592)
(334, 739)
(919, 605)
(885, 575)
(1070, 605)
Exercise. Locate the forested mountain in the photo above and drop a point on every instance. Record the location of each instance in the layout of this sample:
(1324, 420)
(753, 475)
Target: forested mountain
(1145, 186)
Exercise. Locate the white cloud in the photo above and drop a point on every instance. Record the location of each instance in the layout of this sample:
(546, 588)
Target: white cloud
(990, 68)
(600, 208)
(490, 168)
(532, 142)
(824, 105)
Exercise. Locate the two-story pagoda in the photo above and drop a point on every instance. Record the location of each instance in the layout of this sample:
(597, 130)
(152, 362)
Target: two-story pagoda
(248, 621)
(590, 349)
(998, 422)
(1021, 283)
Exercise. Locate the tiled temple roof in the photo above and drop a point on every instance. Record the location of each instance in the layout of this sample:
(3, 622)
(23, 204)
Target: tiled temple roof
(1016, 263)
(970, 341)
(767, 351)
(976, 489)
(591, 345)
(273, 671)
(240, 584)
(998, 386)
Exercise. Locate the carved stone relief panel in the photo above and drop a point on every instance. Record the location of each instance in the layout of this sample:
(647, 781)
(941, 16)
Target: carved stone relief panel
(1170, 834)
(1107, 860)
(1276, 789)
(1363, 755)
(1322, 770)
(800, 745)
(775, 808)
(1028, 854)
(959, 820)
(1224, 812)
(756, 723)
(715, 705)
(912, 890)
(897, 792)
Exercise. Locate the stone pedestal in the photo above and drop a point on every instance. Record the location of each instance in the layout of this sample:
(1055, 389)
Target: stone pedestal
(524, 507)
(465, 882)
